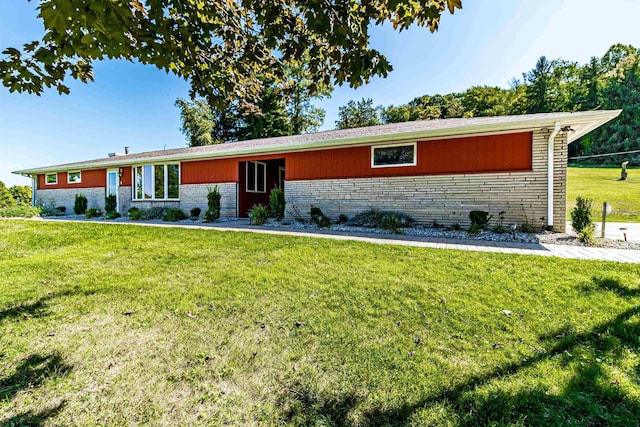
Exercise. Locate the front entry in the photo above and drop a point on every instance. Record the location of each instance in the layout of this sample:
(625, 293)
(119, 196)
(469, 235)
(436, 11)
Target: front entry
(257, 179)
(113, 176)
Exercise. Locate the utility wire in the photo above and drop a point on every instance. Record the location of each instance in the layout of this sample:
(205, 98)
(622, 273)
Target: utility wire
(604, 155)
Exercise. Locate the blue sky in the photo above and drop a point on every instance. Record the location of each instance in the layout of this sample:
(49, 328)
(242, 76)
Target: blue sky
(487, 43)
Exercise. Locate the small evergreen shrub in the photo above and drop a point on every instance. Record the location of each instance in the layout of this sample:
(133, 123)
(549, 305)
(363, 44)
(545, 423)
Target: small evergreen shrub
(213, 205)
(93, 213)
(110, 203)
(135, 214)
(474, 229)
(342, 219)
(527, 227)
(112, 215)
(195, 212)
(80, 205)
(372, 218)
(318, 218)
(258, 214)
(456, 227)
(480, 219)
(62, 209)
(174, 215)
(277, 203)
(581, 214)
(156, 212)
(51, 212)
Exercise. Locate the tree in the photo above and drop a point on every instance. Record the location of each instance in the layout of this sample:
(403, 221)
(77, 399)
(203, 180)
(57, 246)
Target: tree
(299, 91)
(203, 124)
(21, 194)
(223, 48)
(6, 199)
(358, 114)
(269, 119)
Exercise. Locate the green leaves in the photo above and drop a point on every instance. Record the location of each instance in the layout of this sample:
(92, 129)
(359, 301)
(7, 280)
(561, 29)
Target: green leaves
(221, 47)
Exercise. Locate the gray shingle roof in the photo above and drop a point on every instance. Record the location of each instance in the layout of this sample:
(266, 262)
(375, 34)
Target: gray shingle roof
(580, 123)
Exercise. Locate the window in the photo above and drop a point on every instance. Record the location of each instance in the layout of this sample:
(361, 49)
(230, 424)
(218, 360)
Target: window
(51, 178)
(256, 177)
(393, 155)
(74, 177)
(156, 182)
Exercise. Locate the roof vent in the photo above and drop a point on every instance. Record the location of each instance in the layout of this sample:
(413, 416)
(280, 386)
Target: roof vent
(113, 154)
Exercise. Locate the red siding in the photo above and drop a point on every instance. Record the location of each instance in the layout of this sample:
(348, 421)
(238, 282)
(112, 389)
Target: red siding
(495, 153)
(125, 179)
(90, 178)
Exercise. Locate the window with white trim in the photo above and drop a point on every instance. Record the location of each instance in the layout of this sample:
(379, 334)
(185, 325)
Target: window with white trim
(51, 178)
(156, 182)
(393, 155)
(256, 177)
(74, 177)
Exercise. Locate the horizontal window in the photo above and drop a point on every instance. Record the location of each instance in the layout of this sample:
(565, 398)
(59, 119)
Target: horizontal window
(156, 182)
(393, 155)
(74, 177)
(256, 177)
(51, 178)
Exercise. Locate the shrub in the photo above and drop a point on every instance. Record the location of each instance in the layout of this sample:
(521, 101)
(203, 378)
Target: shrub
(20, 212)
(258, 214)
(93, 213)
(51, 212)
(277, 203)
(527, 227)
(156, 212)
(391, 222)
(342, 219)
(480, 219)
(373, 219)
(499, 229)
(80, 205)
(474, 229)
(195, 212)
(112, 215)
(318, 218)
(588, 234)
(174, 215)
(62, 209)
(213, 202)
(110, 203)
(135, 214)
(581, 214)
(456, 227)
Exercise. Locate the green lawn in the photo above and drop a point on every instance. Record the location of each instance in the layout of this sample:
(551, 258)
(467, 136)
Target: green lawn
(602, 185)
(129, 325)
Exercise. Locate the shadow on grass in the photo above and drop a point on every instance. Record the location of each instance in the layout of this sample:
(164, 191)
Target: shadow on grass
(31, 418)
(590, 398)
(32, 372)
(39, 307)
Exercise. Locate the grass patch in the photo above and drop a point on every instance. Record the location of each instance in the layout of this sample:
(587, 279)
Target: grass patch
(116, 324)
(602, 185)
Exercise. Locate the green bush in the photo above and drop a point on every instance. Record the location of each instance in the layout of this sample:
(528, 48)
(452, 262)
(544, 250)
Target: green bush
(588, 234)
(373, 219)
(527, 227)
(277, 203)
(480, 219)
(213, 205)
(110, 203)
(456, 227)
(392, 222)
(474, 229)
(156, 212)
(581, 214)
(135, 214)
(112, 215)
(80, 205)
(51, 212)
(93, 213)
(20, 212)
(62, 209)
(258, 214)
(318, 218)
(342, 219)
(174, 215)
(195, 212)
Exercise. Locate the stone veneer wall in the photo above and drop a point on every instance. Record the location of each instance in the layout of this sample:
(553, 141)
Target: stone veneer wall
(447, 199)
(191, 196)
(67, 197)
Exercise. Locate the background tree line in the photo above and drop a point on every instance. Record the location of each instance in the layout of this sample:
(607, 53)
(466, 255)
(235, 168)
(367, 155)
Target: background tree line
(609, 82)
(18, 195)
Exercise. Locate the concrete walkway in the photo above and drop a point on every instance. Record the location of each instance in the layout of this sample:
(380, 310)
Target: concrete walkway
(541, 249)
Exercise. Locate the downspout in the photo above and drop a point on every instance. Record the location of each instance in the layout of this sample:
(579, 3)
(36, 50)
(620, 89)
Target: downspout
(33, 189)
(550, 150)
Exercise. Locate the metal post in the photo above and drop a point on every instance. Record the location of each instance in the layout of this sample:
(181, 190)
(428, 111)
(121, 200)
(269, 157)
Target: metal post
(604, 219)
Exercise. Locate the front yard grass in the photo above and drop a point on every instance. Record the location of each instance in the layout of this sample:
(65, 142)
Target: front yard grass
(111, 324)
(602, 185)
